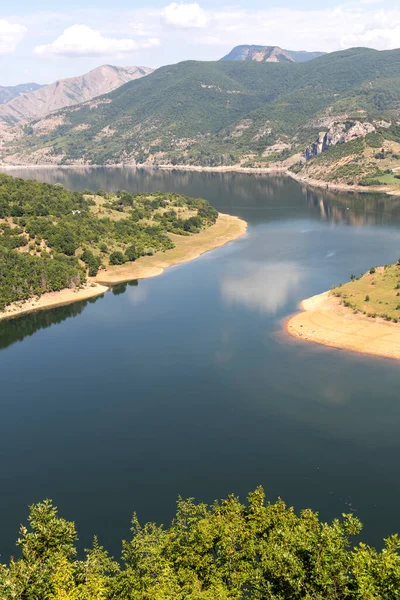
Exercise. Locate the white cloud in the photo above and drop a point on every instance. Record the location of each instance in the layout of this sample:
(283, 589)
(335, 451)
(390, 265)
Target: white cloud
(266, 288)
(82, 41)
(185, 16)
(10, 36)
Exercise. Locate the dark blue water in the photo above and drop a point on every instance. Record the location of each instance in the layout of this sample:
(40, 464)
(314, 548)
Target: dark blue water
(186, 383)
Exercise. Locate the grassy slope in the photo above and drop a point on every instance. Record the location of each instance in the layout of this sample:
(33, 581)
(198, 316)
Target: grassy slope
(190, 112)
(382, 287)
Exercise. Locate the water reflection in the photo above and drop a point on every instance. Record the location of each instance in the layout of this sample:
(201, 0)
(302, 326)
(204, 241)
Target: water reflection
(15, 330)
(266, 288)
(354, 209)
(271, 196)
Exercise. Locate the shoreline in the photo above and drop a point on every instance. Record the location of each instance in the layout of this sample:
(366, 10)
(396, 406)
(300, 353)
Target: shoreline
(316, 183)
(325, 321)
(226, 229)
(53, 300)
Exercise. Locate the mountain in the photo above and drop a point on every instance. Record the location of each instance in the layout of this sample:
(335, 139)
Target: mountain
(270, 54)
(230, 113)
(259, 54)
(7, 93)
(67, 92)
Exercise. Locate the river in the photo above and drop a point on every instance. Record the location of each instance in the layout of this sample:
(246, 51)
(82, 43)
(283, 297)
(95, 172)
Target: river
(186, 384)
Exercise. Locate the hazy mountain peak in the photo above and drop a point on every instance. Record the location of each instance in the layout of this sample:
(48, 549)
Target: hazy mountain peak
(269, 54)
(8, 92)
(67, 92)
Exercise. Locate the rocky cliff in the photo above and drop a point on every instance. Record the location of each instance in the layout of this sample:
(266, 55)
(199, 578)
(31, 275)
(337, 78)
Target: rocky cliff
(337, 133)
(269, 54)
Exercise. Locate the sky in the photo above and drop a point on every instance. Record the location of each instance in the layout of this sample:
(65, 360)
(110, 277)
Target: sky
(41, 42)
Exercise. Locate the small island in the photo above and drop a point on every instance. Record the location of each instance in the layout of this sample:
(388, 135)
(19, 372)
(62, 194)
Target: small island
(58, 246)
(362, 315)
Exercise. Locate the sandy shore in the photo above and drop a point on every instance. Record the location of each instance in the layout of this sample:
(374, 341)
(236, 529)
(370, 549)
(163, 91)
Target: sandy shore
(326, 321)
(343, 187)
(226, 229)
(53, 299)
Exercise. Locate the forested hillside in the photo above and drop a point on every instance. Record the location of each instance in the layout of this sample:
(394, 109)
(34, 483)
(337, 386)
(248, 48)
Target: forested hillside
(226, 551)
(223, 113)
(51, 239)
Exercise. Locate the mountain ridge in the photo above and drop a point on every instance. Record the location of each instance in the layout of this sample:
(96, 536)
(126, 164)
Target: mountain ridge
(8, 92)
(68, 92)
(225, 113)
(247, 52)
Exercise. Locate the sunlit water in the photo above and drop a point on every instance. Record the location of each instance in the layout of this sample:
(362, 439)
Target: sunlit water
(186, 383)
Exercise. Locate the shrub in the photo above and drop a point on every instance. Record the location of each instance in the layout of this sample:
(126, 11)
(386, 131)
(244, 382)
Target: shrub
(131, 253)
(367, 298)
(372, 270)
(117, 258)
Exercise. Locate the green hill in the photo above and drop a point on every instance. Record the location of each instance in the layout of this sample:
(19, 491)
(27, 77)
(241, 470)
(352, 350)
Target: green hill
(52, 239)
(220, 113)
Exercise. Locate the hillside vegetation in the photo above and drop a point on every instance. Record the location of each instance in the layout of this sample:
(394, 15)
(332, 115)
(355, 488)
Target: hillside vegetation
(375, 294)
(226, 551)
(51, 239)
(225, 113)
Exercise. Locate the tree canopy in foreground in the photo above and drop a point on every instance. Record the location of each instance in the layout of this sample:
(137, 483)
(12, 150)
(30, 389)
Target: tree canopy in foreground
(226, 551)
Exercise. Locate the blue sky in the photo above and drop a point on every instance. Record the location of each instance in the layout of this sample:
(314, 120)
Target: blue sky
(41, 42)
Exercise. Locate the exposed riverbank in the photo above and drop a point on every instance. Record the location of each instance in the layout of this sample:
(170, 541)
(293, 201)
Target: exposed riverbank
(325, 320)
(226, 229)
(275, 170)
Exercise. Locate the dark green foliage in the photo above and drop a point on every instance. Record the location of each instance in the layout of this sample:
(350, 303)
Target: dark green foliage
(93, 262)
(226, 551)
(56, 223)
(117, 258)
(131, 253)
(374, 139)
(23, 276)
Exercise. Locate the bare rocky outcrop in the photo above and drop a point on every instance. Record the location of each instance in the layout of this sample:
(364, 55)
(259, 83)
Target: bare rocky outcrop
(67, 92)
(337, 133)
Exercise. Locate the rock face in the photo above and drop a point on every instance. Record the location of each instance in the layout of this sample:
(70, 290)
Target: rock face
(338, 133)
(259, 54)
(269, 54)
(67, 92)
(7, 93)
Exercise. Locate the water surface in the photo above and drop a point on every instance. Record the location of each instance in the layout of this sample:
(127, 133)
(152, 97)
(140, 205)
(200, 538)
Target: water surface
(186, 384)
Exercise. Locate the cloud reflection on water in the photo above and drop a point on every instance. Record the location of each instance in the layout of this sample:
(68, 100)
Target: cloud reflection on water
(265, 288)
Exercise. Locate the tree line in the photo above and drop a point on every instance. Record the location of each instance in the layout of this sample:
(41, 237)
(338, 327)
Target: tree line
(224, 551)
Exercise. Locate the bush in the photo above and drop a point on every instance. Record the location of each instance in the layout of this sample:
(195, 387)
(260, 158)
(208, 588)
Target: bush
(117, 258)
(131, 253)
(367, 298)
(372, 270)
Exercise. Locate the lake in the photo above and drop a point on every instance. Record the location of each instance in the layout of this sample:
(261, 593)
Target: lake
(186, 384)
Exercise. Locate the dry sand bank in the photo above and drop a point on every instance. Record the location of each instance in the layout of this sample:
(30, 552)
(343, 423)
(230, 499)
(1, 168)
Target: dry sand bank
(53, 299)
(326, 321)
(226, 229)
(344, 187)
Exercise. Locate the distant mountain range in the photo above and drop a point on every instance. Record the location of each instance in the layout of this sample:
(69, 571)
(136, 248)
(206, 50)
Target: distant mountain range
(36, 103)
(270, 54)
(7, 93)
(330, 113)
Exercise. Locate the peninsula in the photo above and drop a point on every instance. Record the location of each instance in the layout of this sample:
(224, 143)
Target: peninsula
(58, 247)
(362, 315)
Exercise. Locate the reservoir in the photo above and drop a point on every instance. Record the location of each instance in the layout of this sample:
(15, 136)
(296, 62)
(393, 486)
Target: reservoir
(186, 384)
